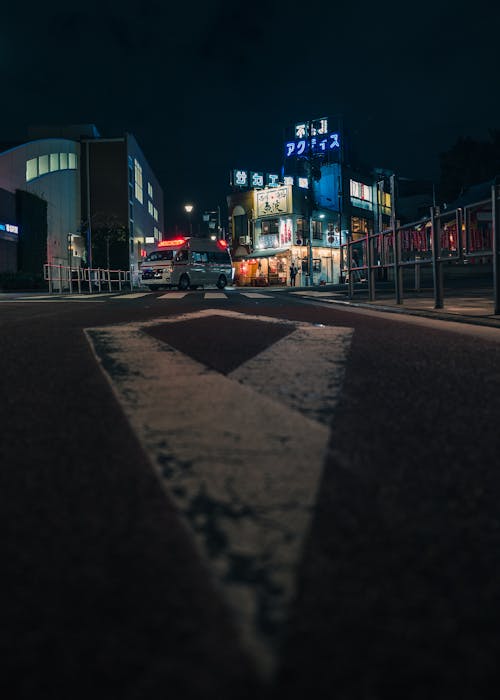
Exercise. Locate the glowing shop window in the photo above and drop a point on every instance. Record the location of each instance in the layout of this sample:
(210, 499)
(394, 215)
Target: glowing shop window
(31, 169)
(72, 161)
(54, 162)
(138, 181)
(63, 161)
(43, 165)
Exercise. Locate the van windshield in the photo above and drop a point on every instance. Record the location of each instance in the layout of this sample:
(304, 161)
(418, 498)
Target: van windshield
(159, 255)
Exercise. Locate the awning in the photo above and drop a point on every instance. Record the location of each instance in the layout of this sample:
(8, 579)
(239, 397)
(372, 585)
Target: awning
(268, 253)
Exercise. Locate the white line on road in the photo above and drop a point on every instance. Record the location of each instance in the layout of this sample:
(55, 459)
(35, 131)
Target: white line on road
(135, 295)
(173, 295)
(256, 295)
(215, 295)
(244, 467)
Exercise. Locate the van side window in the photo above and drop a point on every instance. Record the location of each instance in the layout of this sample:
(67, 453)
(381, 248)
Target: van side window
(182, 256)
(200, 257)
(219, 257)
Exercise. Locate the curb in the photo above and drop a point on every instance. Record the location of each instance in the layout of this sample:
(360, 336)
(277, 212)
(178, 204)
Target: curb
(440, 315)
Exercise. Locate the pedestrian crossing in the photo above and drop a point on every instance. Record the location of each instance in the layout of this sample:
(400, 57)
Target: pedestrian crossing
(170, 296)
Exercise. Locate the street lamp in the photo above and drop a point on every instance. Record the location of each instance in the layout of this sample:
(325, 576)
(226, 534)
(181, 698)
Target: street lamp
(189, 209)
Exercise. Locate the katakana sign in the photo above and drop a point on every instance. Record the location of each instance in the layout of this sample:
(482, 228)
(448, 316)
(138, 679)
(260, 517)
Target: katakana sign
(301, 147)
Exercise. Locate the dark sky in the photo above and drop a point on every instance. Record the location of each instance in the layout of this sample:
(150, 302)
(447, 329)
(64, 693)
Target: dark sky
(208, 86)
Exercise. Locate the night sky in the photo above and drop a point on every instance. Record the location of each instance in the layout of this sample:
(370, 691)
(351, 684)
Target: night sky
(209, 86)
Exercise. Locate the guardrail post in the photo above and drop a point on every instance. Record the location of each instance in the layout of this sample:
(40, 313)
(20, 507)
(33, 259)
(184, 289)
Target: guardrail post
(396, 242)
(496, 247)
(60, 280)
(70, 276)
(371, 271)
(417, 277)
(437, 270)
(99, 279)
(78, 272)
(350, 283)
(109, 279)
(398, 271)
(49, 277)
(120, 280)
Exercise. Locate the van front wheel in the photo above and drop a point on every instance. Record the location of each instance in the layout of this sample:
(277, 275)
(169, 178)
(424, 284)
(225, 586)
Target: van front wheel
(221, 282)
(184, 283)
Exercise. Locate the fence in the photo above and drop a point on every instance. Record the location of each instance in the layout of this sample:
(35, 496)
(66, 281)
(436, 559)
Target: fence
(81, 280)
(459, 235)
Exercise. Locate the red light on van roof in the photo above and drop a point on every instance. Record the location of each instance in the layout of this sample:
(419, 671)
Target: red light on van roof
(222, 244)
(172, 243)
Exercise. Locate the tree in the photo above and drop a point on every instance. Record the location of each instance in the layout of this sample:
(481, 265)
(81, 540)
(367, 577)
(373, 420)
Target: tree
(110, 242)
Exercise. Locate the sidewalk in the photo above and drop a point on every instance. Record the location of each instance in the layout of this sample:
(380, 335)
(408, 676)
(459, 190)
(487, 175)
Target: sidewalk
(474, 306)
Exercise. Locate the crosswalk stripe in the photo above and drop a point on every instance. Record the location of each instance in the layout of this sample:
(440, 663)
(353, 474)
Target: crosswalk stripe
(173, 295)
(215, 295)
(136, 295)
(255, 295)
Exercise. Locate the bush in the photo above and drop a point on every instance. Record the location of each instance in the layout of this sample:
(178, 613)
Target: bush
(22, 282)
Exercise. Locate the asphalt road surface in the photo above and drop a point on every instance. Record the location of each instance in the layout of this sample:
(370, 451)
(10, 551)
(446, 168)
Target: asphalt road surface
(223, 495)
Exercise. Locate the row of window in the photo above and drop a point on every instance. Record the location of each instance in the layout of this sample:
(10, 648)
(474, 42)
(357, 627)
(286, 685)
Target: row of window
(153, 210)
(50, 163)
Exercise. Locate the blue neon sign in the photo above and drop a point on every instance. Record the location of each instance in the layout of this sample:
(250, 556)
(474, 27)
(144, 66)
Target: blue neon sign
(317, 145)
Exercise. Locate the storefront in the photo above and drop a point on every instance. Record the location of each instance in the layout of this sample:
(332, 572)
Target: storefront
(272, 267)
(262, 269)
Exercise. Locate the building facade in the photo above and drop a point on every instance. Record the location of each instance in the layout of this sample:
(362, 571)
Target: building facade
(103, 202)
(303, 214)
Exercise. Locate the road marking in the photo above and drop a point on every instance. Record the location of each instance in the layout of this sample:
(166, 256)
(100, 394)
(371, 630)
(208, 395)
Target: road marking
(135, 295)
(312, 293)
(215, 295)
(255, 295)
(244, 470)
(173, 295)
(58, 299)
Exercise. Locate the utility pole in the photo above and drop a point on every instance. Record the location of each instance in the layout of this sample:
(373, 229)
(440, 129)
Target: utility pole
(310, 203)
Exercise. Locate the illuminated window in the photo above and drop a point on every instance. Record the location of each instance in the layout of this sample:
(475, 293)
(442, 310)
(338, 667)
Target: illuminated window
(361, 226)
(43, 165)
(72, 161)
(63, 161)
(31, 169)
(384, 199)
(316, 228)
(150, 190)
(54, 162)
(150, 208)
(138, 181)
(155, 214)
(361, 191)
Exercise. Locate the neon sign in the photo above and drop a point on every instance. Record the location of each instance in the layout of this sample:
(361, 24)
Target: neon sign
(317, 145)
(9, 228)
(250, 179)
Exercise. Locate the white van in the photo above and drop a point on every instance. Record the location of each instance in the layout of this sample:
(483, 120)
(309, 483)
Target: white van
(188, 263)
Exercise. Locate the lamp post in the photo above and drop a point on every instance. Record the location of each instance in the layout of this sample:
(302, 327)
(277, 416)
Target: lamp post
(189, 208)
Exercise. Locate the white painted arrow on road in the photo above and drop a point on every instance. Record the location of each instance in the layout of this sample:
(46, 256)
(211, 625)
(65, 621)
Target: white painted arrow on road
(240, 455)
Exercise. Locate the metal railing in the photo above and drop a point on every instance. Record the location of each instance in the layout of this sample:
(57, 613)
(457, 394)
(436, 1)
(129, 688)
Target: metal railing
(83, 280)
(459, 235)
